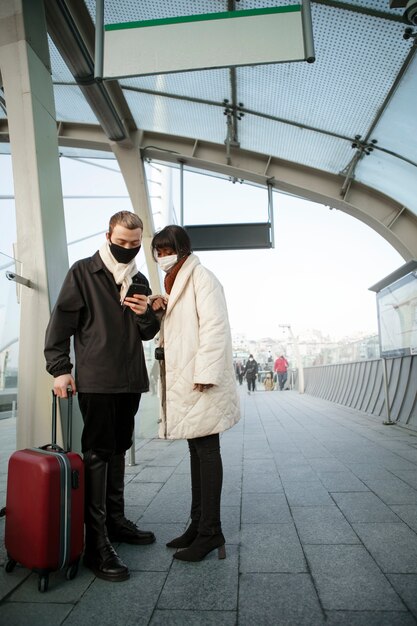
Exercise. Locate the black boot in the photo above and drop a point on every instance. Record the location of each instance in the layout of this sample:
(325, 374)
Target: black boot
(210, 534)
(187, 538)
(119, 528)
(99, 555)
(202, 546)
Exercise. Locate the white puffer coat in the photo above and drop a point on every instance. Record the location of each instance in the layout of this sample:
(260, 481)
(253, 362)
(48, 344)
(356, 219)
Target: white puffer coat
(198, 349)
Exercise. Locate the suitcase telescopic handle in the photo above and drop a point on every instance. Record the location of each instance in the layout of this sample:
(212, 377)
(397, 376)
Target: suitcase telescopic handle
(69, 419)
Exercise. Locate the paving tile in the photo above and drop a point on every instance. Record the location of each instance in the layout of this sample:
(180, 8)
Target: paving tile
(393, 491)
(34, 614)
(372, 471)
(408, 513)
(59, 590)
(203, 586)
(323, 525)
(155, 557)
(271, 548)
(193, 618)
(327, 465)
(284, 599)
(393, 546)
(11, 580)
(369, 618)
(307, 494)
(310, 447)
(130, 603)
(406, 587)
(304, 473)
(285, 460)
(347, 578)
(408, 476)
(154, 474)
(341, 481)
(141, 494)
(262, 483)
(167, 508)
(265, 508)
(364, 507)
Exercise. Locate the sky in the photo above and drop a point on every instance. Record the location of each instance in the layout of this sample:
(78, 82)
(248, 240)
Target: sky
(317, 277)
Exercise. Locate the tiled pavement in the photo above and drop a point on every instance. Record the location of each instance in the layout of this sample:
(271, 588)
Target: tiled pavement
(319, 513)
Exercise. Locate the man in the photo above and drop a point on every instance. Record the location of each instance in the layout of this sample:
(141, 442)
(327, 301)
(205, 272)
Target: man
(110, 376)
(251, 372)
(281, 367)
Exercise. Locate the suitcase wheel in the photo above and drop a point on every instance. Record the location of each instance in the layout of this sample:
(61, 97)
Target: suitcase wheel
(72, 571)
(43, 583)
(10, 565)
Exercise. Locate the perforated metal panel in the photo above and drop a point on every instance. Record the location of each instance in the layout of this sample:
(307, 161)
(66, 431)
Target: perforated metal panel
(71, 106)
(188, 119)
(306, 113)
(295, 144)
(60, 71)
(213, 86)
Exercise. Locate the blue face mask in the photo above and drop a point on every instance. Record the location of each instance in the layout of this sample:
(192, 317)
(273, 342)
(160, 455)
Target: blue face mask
(123, 255)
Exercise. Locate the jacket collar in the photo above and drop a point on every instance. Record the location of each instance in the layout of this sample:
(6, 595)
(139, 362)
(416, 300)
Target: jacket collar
(181, 280)
(96, 264)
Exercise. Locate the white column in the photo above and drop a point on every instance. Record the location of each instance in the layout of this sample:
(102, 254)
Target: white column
(41, 239)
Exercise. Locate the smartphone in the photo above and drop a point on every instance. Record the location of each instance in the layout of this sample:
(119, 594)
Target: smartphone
(139, 288)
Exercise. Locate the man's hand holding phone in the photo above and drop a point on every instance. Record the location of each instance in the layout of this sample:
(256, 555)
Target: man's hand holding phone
(137, 298)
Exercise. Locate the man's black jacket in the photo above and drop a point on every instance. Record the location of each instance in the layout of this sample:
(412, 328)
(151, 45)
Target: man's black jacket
(107, 336)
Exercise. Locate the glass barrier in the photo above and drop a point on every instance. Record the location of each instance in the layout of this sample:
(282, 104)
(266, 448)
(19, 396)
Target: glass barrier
(9, 337)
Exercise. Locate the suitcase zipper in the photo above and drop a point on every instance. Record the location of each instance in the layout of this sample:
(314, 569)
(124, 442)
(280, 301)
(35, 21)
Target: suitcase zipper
(65, 505)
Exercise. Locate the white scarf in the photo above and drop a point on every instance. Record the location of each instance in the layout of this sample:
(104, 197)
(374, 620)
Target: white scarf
(122, 272)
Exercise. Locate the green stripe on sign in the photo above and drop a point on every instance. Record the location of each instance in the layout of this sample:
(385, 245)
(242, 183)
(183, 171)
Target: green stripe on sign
(204, 17)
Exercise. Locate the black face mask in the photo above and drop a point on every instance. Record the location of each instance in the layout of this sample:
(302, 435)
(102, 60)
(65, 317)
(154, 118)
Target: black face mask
(123, 255)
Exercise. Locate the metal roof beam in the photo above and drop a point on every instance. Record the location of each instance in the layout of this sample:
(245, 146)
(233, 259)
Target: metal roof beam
(63, 20)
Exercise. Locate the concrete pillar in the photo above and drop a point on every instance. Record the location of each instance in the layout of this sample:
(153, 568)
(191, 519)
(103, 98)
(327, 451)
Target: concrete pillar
(133, 172)
(41, 238)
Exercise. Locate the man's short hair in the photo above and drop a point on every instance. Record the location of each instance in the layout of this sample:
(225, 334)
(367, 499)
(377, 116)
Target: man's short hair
(127, 219)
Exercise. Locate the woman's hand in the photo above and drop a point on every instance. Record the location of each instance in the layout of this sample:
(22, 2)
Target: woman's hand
(137, 303)
(159, 304)
(201, 387)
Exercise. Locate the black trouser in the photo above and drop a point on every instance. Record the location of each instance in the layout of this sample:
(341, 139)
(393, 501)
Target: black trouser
(206, 483)
(109, 421)
(251, 380)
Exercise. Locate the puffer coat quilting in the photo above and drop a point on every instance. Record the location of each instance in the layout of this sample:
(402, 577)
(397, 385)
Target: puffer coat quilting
(198, 349)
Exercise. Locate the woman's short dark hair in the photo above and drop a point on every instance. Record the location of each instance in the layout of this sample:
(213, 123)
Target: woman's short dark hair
(174, 237)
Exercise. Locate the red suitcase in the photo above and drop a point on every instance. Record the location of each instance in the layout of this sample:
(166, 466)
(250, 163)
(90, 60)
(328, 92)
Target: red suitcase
(45, 508)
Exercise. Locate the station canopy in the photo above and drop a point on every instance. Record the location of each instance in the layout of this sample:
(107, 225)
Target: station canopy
(350, 114)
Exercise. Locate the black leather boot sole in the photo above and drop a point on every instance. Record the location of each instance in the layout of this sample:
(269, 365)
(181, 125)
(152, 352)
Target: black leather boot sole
(111, 568)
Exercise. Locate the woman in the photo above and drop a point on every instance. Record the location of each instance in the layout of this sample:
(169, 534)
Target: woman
(198, 389)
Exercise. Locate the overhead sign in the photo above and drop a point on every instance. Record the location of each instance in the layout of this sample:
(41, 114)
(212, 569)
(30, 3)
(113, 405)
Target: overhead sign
(214, 40)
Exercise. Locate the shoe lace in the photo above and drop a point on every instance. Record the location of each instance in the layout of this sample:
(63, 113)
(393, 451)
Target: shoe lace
(126, 523)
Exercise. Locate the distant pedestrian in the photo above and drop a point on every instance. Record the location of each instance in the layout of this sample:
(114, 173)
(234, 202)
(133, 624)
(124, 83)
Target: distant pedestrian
(281, 368)
(250, 372)
(239, 372)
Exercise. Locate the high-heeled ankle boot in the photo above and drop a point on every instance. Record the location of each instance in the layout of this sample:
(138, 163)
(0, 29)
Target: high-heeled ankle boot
(201, 547)
(187, 538)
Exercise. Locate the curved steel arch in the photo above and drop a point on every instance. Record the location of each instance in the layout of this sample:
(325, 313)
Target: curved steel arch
(394, 222)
